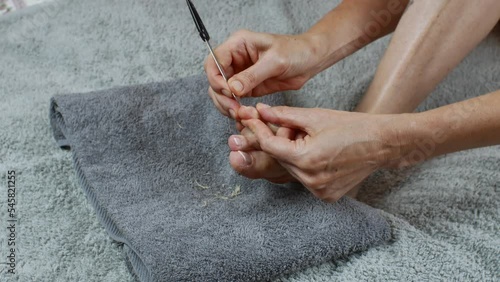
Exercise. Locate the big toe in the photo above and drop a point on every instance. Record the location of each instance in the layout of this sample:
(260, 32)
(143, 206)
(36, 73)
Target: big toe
(258, 164)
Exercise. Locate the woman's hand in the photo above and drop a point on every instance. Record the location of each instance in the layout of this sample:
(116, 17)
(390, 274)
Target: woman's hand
(337, 151)
(249, 160)
(259, 64)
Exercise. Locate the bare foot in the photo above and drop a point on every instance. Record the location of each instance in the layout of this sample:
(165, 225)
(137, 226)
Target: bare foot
(258, 164)
(247, 158)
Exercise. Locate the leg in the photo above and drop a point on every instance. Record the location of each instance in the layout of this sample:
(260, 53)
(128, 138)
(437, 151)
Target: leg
(432, 37)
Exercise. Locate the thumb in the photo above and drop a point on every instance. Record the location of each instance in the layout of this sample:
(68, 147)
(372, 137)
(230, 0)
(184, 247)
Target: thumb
(244, 82)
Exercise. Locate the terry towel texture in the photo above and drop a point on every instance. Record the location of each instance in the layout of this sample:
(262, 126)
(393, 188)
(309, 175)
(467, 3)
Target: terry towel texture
(444, 214)
(153, 161)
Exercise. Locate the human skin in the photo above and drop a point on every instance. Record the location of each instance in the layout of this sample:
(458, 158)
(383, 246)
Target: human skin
(340, 149)
(338, 34)
(264, 63)
(430, 40)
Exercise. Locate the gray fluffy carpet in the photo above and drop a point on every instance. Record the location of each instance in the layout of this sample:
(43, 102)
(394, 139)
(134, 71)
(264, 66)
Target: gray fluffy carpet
(444, 214)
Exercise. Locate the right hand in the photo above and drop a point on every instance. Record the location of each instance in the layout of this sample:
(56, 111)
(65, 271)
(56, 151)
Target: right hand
(259, 64)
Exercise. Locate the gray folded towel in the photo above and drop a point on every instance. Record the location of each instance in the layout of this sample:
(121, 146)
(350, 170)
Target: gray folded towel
(152, 160)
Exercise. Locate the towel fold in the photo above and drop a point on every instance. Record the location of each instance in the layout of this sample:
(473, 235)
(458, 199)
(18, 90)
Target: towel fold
(153, 161)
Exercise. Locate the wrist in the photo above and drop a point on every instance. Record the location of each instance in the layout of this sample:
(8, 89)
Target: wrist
(317, 51)
(413, 138)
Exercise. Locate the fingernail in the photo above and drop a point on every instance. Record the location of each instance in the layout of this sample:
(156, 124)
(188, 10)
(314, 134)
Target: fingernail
(237, 85)
(237, 141)
(226, 93)
(232, 113)
(246, 157)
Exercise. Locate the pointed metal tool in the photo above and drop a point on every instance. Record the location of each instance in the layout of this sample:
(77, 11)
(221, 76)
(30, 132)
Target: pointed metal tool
(206, 38)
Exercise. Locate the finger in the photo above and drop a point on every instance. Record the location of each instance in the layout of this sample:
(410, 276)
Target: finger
(250, 141)
(257, 164)
(214, 76)
(298, 118)
(243, 82)
(298, 175)
(211, 94)
(229, 106)
(277, 146)
(285, 132)
(273, 86)
(345, 184)
(245, 112)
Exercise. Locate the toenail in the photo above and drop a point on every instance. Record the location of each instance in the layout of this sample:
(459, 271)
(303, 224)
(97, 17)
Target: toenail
(237, 141)
(246, 157)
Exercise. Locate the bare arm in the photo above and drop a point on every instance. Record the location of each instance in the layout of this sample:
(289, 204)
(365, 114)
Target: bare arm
(352, 25)
(465, 125)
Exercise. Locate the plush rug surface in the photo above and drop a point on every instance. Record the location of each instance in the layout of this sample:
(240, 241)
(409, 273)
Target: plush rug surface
(444, 213)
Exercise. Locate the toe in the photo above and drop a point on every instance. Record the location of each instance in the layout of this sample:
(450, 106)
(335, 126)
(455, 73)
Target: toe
(258, 164)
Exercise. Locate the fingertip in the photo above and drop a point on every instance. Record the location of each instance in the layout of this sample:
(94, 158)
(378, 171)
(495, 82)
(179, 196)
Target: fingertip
(236, 86)
(212, 96)
(230, 106)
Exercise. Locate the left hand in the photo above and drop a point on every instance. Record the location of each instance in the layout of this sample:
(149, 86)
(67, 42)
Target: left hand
(336, 153)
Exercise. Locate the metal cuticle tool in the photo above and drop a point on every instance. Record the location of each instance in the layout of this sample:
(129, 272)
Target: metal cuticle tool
(206, 38)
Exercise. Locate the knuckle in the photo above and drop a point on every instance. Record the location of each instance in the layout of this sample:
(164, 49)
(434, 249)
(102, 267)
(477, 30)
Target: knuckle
(248, 77)
(240, 33)
(281, 63)
(265, 143)
(238, 45)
